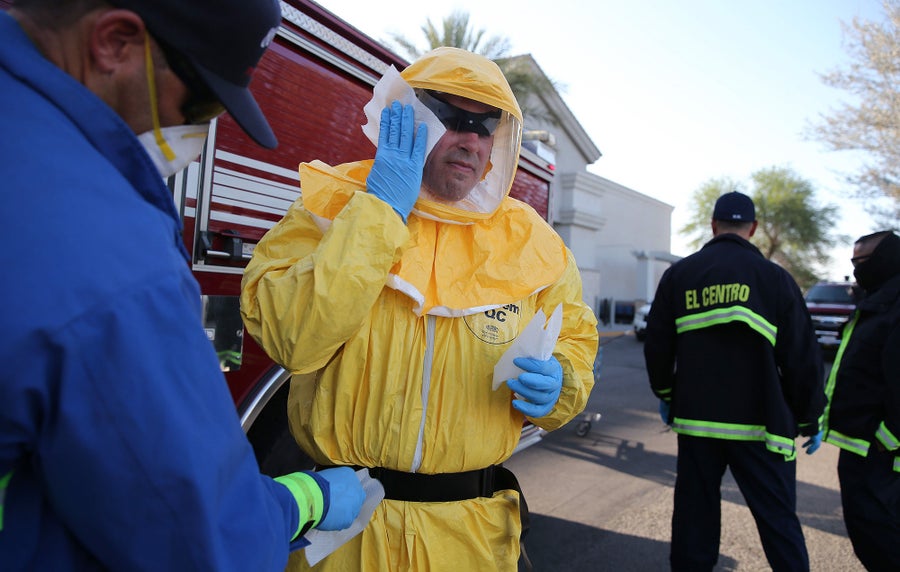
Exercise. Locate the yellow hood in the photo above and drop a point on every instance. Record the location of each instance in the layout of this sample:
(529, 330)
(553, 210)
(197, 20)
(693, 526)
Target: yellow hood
(462, 73)
(481, 253)
(451, 269)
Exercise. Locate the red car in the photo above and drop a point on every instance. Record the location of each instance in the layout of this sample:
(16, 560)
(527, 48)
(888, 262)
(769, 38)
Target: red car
(830, 305)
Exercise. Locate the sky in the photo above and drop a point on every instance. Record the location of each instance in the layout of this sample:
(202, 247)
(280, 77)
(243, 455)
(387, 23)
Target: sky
(677, 92)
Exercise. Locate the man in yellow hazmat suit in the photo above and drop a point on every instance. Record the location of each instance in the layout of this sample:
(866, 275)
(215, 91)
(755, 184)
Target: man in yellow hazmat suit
(392, 325)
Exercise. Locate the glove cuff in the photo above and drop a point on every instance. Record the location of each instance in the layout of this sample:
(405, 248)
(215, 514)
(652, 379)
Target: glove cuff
(311, 493)
(809, 429)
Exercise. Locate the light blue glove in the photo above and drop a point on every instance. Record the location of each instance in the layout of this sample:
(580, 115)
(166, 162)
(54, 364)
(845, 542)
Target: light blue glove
(813, 443)
(396, 175)
(664, 410)
(539, 385)
(346, 497)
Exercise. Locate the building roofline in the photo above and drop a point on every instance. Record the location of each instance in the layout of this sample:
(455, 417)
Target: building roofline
(567, 121)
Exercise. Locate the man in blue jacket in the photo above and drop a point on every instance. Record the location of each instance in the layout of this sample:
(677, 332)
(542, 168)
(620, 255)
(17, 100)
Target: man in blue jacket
(732, 355)
(119, 445)
(863, 415)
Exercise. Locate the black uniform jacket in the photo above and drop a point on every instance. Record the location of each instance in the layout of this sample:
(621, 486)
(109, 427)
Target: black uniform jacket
(731, 346)
(865, 391)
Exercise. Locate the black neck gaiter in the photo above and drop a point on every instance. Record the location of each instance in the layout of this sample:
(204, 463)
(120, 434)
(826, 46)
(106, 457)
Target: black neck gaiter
(881, 266)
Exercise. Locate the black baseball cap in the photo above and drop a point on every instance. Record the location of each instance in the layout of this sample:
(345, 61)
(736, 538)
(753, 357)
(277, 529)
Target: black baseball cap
(223, 40)
(735, 207)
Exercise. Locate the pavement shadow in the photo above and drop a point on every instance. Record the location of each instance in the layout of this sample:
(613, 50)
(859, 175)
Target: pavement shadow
(828, 514)
(556, 545)
(819, 507)
(624, 455)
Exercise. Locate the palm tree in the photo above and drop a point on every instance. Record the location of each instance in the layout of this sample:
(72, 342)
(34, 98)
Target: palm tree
(456, 32)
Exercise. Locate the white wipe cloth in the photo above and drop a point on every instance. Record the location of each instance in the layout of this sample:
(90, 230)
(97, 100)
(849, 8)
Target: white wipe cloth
(536, 341)
(393, 87)
(324, 542)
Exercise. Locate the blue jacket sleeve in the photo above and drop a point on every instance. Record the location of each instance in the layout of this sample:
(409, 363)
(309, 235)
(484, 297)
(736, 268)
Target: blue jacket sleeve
(141, 426)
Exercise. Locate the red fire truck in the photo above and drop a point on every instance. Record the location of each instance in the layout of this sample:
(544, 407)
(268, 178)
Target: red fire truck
(312, 85)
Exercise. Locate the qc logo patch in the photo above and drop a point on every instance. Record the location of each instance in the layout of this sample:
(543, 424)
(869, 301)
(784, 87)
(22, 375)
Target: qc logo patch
(497, 326)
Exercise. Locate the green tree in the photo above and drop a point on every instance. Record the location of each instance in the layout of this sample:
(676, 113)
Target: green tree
(793, 230)
(457, 31)
(870, 124)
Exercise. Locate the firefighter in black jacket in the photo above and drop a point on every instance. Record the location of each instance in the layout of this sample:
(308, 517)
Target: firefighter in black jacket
(732, 355)
(863, 416)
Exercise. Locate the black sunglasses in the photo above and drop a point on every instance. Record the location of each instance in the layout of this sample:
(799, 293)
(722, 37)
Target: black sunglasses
(456, 119)
(856, 260)
(202, 105)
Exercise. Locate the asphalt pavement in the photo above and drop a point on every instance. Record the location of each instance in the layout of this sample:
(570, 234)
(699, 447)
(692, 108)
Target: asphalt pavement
(603, 501)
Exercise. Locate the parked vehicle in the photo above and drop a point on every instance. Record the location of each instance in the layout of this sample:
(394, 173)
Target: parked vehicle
(640, 321)
(312, 85)
(830, 305)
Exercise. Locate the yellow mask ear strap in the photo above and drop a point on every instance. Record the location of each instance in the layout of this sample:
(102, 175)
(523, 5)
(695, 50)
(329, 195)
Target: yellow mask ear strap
(154, 111)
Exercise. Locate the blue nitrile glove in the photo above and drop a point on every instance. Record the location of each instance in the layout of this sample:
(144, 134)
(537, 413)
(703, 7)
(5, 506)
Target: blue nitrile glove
(539, 384)
(396, 174)
(813, 443)
(346, 497)
(664, 409)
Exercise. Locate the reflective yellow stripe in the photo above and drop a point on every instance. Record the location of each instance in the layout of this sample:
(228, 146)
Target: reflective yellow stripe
(832, 375)
(887, 438)
(4, 482)
(858, 446)
(726, 315)
(737, 432)
(308, 496)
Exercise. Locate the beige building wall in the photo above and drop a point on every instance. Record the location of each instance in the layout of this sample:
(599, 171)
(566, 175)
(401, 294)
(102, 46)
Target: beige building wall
(620, 237)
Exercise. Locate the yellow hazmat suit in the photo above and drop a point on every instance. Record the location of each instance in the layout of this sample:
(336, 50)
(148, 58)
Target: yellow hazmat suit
(392, 332)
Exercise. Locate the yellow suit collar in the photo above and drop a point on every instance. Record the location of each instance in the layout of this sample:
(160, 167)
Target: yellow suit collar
(457, 262)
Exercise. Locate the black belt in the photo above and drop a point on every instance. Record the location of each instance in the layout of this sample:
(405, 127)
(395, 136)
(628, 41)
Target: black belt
(441, 487)
(449, 487)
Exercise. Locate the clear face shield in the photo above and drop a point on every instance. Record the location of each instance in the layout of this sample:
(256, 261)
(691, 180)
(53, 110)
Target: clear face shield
(506, 131)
